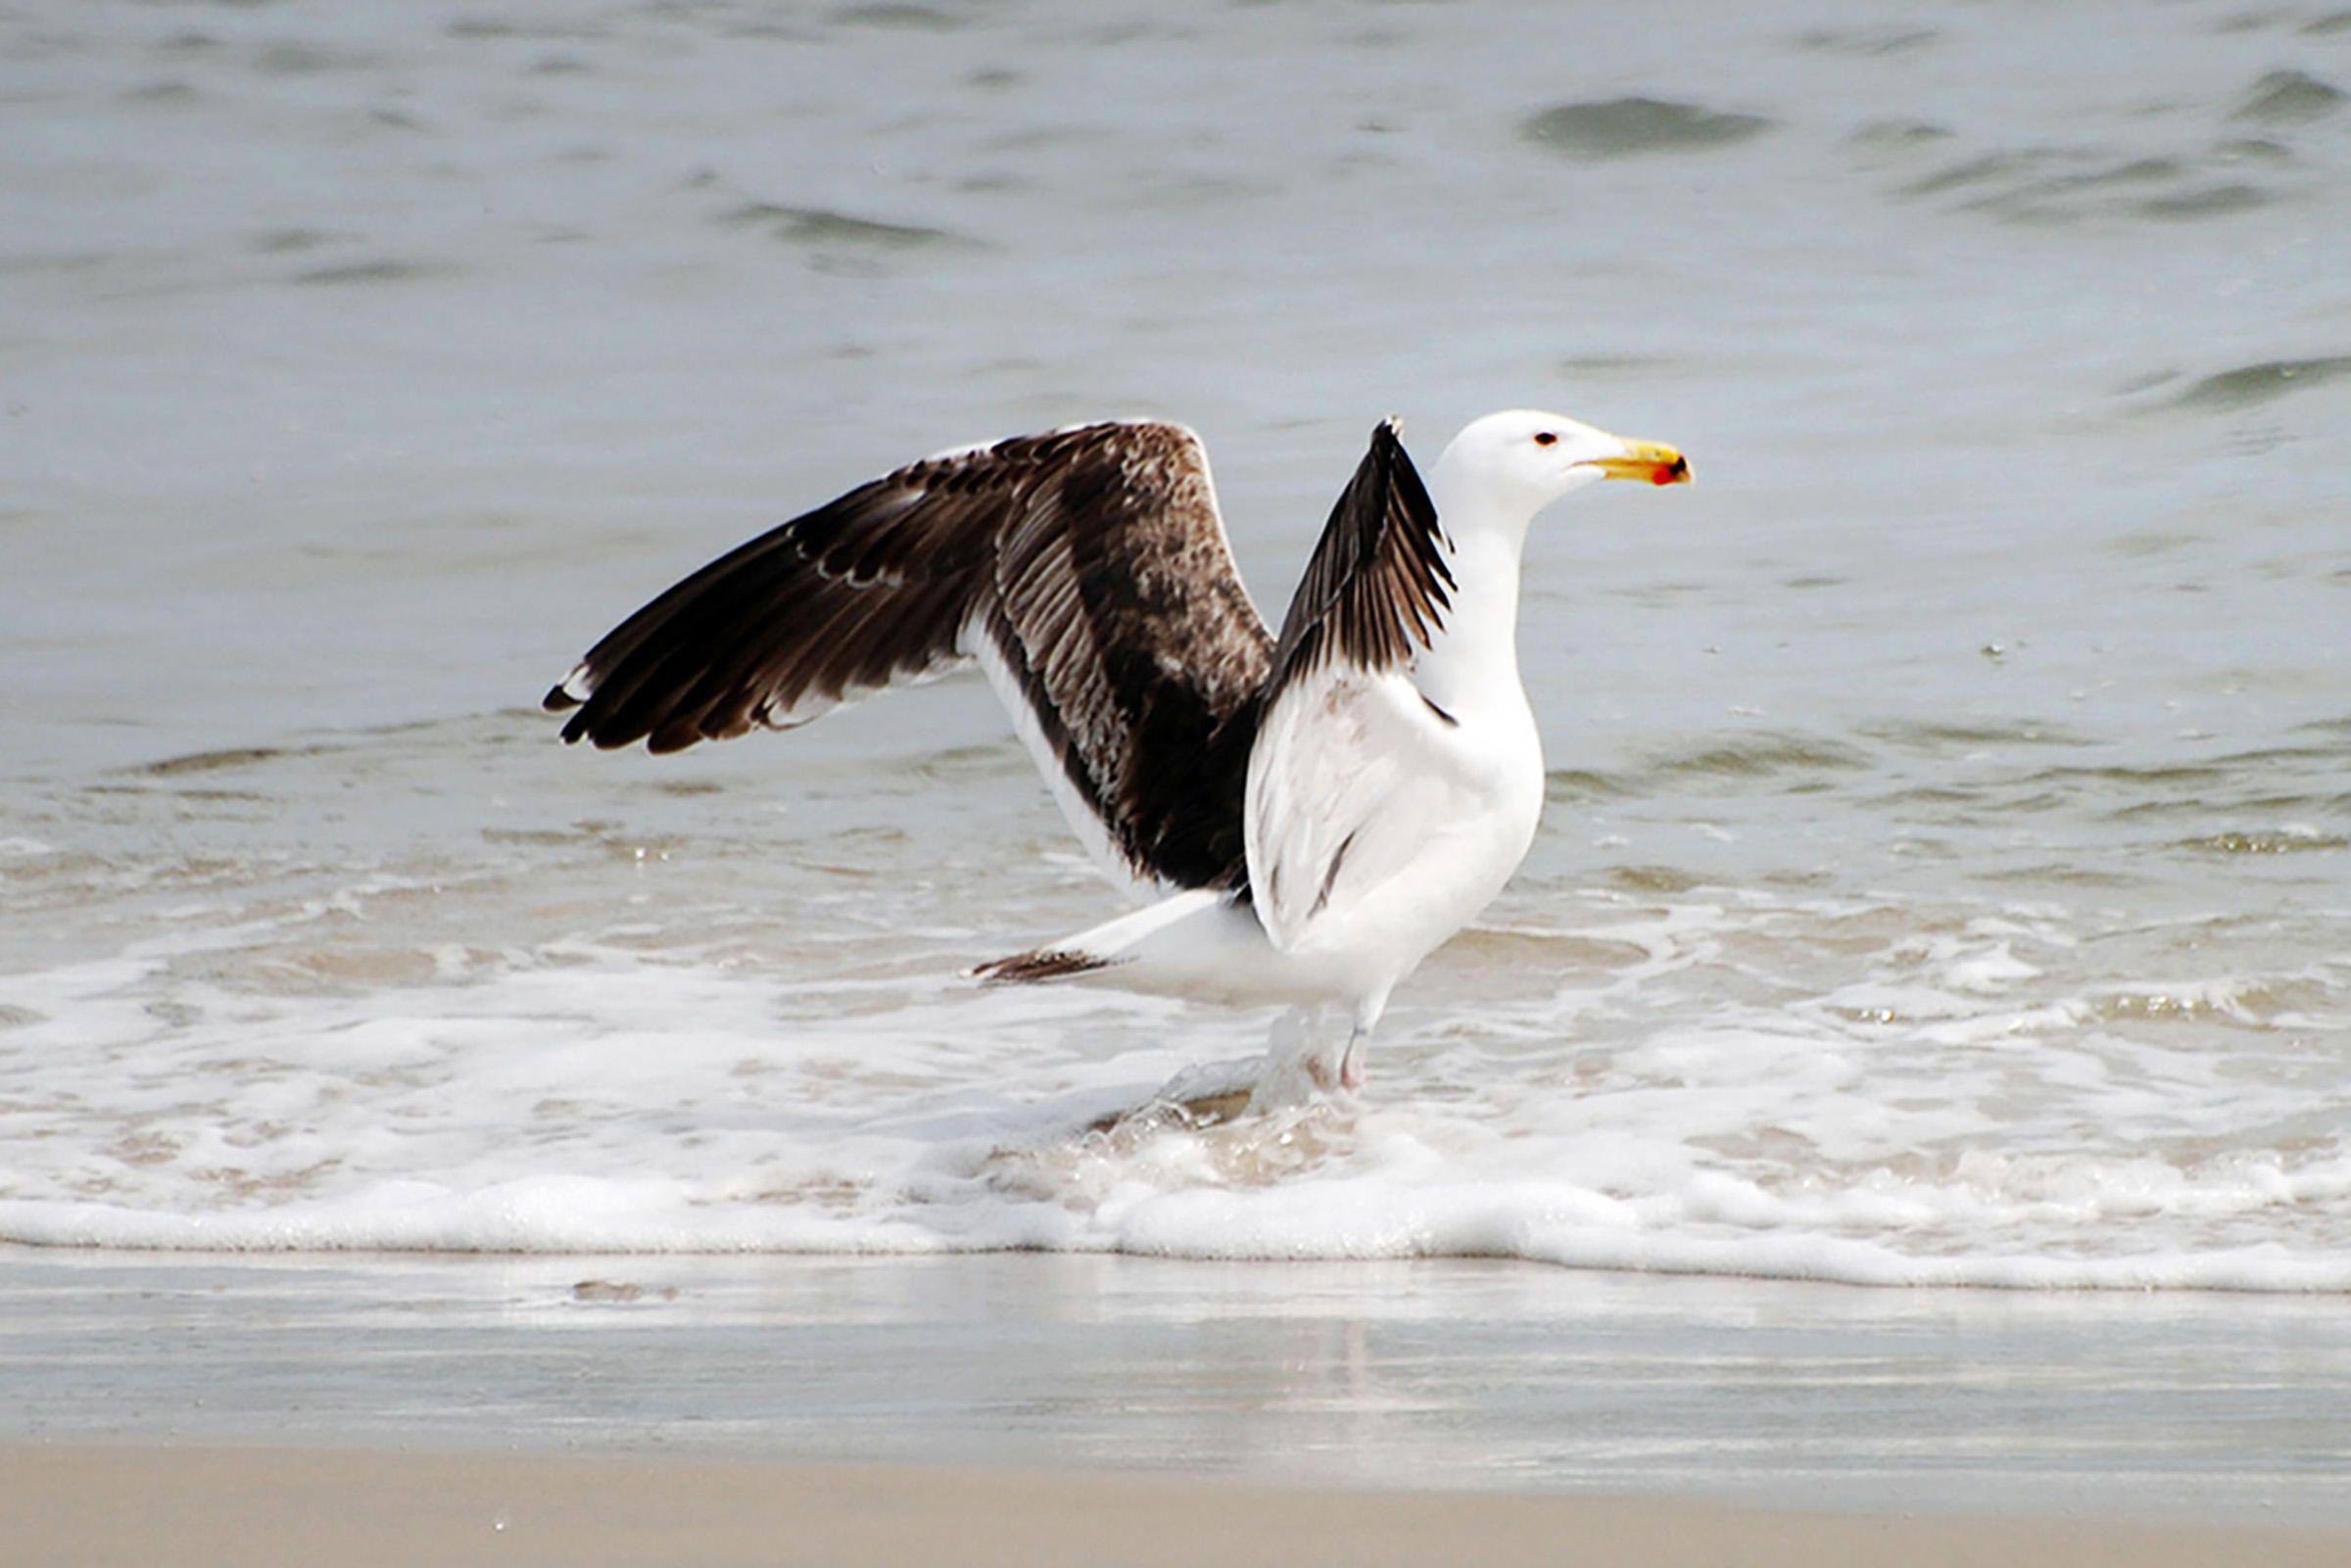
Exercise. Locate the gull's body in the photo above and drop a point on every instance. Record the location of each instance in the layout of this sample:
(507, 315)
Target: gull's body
(1317, 812)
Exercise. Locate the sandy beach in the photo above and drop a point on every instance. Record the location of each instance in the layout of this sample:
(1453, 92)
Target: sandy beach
(1473, 1380)
(198, 1507)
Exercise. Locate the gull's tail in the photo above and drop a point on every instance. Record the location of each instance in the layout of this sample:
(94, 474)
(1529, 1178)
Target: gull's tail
(1203, 943)
(1039, 965)
(1114, 944)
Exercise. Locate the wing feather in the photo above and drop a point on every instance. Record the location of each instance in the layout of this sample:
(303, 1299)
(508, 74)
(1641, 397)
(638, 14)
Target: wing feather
(1378, 584)
(1092, 562)
(1330, 815)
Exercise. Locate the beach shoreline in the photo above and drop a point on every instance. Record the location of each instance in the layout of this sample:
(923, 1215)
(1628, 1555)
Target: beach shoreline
(1369, 1378)
(104, 1503)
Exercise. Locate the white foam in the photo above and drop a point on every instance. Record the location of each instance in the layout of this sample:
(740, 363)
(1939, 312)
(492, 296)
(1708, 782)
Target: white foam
(587, 1100)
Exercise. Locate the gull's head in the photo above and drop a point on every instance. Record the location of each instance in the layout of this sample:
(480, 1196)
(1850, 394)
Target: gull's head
(1521, 460)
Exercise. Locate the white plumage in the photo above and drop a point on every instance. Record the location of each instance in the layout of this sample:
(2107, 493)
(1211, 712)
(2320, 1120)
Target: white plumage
(1324, 809)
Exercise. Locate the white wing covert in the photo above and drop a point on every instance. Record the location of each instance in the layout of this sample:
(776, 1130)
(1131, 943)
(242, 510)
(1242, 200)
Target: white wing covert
(1340, 795)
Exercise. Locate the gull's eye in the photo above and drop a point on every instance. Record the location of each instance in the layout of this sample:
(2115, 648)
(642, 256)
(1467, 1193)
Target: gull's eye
(1547, 438)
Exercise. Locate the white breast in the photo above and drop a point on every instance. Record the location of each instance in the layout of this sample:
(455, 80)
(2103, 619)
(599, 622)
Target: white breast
(1378, 825)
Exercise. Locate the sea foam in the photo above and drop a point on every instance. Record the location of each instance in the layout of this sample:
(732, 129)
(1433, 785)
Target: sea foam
(591, 1100)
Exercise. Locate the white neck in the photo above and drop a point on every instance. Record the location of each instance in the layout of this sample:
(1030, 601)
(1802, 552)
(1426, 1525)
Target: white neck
(1473, 665)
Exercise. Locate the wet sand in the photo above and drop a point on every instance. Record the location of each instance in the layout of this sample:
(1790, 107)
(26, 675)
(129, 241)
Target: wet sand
(1445, 1376)
(345, 1509)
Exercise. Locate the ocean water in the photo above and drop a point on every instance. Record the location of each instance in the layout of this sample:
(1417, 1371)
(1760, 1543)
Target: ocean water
(1948, 874)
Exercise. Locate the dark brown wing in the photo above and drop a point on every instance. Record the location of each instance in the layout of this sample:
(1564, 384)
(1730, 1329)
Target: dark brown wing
(1087, 568)
(1378, 584)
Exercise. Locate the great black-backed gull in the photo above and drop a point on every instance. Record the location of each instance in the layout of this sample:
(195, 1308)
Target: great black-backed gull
(1312, 814)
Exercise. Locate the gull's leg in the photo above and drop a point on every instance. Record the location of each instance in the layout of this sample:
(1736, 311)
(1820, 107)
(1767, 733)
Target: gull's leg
(1316, 1050)
(1351, 1066)
(1359, 1041)
(1301, 1059)
(1310, 1056)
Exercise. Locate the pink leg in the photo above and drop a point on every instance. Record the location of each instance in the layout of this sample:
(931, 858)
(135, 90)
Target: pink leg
(1351, 1066)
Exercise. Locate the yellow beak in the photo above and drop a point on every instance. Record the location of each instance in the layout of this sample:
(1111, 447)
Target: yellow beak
(1652, 460)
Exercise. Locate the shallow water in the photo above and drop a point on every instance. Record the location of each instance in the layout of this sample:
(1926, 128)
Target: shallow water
(1435, 1374)
(1947, 878)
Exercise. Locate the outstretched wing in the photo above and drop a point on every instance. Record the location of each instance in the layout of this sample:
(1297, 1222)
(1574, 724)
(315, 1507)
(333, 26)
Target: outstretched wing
(1377, 586)
(1335, 794)
(1086, 569)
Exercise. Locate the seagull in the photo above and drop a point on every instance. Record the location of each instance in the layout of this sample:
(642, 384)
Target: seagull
(1303, 816)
